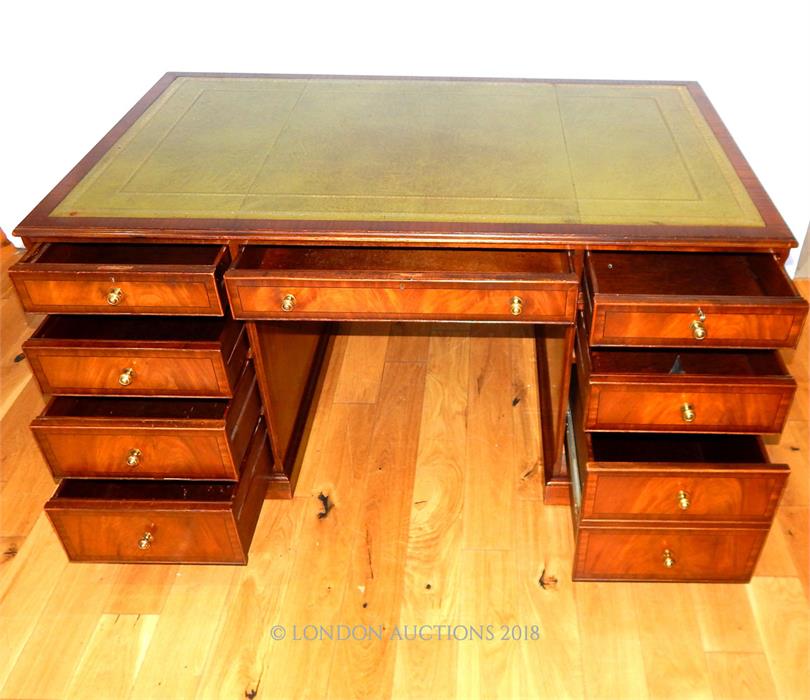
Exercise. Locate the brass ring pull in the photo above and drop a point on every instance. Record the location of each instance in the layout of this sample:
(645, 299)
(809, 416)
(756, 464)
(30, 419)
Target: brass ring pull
(115, 296)
(134, 457)
(516, 306)
(126, 377)
(688, 413)
(683, 500)
(669, 559)
(288, 303)
(146, 541)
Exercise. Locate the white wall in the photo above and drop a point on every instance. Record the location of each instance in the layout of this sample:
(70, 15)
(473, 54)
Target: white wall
(69, 70)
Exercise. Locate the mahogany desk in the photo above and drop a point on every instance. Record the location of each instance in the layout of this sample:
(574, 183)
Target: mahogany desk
(194, 261)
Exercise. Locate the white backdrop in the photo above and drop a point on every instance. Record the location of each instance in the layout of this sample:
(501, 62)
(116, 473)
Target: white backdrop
(69, 70)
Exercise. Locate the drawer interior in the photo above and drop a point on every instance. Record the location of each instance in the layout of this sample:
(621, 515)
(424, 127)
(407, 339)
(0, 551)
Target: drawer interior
(756, 363)
(676, 448)
(136, 490)
(162, 328)
(130, 254)
(688, 274)
(409, 262)
(98, 407)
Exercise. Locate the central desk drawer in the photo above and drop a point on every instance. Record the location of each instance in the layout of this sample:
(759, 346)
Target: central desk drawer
(159, 521)
(691, 299)
(122, 278)
(73, 355)
(133, 438)
(403, 284)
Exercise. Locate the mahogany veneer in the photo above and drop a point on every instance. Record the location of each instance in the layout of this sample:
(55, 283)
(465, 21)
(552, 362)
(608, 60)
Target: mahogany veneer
(121, 279)
(648, 299)
(150, 522)
(101, 437)
(165, 356)
(195, 257)
(407, 284)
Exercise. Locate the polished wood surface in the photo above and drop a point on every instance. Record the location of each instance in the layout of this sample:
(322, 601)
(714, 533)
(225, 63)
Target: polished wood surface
(149, 438)
(121, 279)
(683, 390)
(390, 284)
(166, 357)
(147, 522)
(84, 630)
(742, 301)
(707, 554)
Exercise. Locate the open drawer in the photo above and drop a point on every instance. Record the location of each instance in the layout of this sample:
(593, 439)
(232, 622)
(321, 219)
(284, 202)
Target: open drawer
(699, 391)
(73, 355)
(321, 283)
(121, 278)
(133, 438)
(691, 299)
(162, 521)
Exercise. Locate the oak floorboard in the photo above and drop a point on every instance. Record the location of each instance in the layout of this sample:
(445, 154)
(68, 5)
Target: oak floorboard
(299, 668)
(63, 628)
(113, 657)
(675, 664)
(737, 676)
(725, 618)
(190, 621)
(612, 652)
(364, 668)
(783, 620)
(432, 570)
(489, 480)
(235, 660)
(367, 343)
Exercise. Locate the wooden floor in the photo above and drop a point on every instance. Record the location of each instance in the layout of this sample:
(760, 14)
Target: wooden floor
(426, 445)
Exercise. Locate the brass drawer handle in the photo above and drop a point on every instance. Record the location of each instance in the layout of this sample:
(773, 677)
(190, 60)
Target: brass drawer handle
(115, 296)
(698, 327)
(669, 558)
(134, 457)
(126, 377)
(688, 413)
(146, 541)
(683, 500)
(516, 306)
(288, 303)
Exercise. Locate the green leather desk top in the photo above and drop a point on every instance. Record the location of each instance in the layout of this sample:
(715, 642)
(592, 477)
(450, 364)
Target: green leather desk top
(418, 151)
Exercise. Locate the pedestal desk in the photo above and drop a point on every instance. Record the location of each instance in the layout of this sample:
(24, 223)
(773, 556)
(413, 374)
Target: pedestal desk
(194, 263)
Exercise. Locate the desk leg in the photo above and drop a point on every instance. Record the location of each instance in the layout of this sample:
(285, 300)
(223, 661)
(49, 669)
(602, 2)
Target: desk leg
(555, 347)
(289, 361)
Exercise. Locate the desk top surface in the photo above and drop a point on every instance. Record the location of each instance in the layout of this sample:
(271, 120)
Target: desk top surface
(402, 159)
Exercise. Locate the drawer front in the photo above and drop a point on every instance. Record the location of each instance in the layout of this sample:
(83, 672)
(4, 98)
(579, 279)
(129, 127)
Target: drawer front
(683, 408)
(136, 454)
(733, 494)
(141, 521)
(547, 303)
(131, 373)
(675, 325)
(88, 278)
(149, 438)
(125, 535)
(691, 300)
(667, 554)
